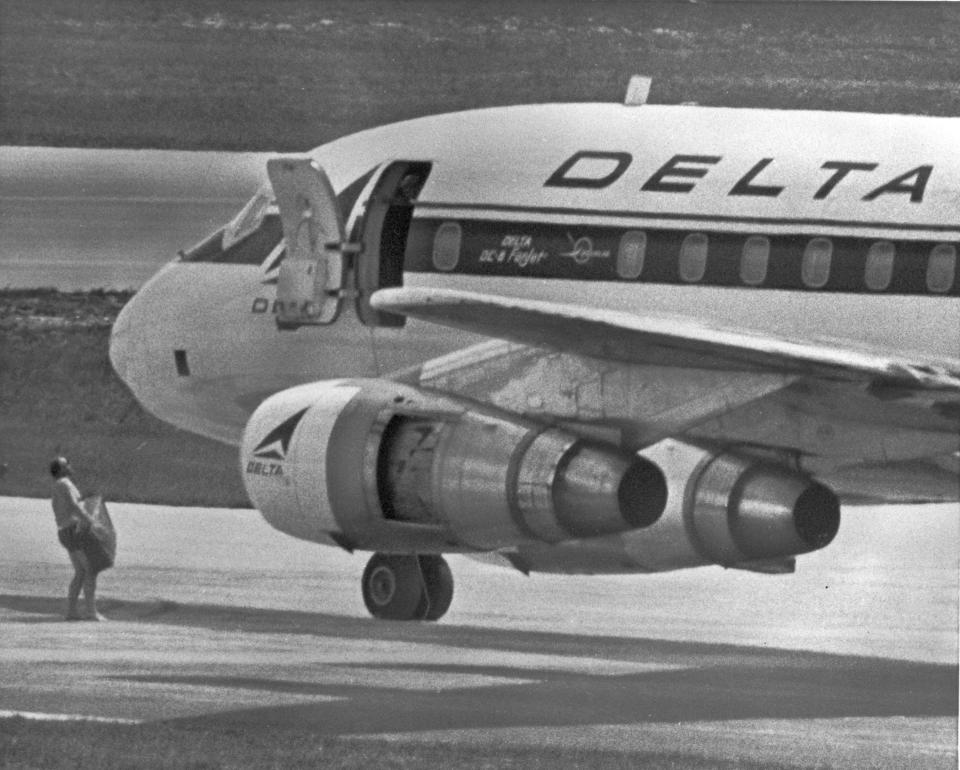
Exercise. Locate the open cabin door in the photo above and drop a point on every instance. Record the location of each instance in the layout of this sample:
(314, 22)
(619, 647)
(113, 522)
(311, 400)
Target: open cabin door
(382, 226)
(311, 275)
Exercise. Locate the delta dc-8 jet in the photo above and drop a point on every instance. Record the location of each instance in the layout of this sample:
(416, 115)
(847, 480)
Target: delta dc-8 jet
(575, 338)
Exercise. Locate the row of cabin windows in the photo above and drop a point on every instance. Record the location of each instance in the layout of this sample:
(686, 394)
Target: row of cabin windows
(814, 268)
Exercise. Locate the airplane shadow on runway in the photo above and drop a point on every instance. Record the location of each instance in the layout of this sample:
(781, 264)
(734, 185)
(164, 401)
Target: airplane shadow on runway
(706, 681)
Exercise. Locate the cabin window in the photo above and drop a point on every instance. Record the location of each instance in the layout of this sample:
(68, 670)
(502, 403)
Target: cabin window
(815, 270)
(630, 255)
(754, 260)
(446, 246)
(879, 269)
(693, 257)
(942, 267)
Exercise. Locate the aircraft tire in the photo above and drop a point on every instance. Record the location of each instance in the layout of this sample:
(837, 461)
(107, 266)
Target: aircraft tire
(438, 584)
(393, 587)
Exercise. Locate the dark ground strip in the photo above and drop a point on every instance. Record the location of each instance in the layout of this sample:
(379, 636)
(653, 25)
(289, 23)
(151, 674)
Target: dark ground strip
(716, 682)
(290, 75)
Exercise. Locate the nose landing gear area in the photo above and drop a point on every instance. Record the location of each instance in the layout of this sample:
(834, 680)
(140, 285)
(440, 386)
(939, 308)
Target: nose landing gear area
(407, 586)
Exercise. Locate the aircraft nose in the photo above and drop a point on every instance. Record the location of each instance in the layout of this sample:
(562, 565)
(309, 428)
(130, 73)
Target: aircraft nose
(120, 340)
(134, 330)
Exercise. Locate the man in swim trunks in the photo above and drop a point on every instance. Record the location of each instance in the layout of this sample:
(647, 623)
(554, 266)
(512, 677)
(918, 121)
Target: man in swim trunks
(73, 527)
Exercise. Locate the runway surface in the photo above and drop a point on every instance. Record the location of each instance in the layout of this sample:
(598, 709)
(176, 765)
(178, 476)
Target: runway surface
(77, 219)
(214, 618)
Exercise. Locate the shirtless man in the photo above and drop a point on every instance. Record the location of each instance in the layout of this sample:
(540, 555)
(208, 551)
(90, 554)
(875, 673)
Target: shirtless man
(73, 523)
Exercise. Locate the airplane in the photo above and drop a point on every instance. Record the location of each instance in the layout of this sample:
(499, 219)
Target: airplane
(586, 338)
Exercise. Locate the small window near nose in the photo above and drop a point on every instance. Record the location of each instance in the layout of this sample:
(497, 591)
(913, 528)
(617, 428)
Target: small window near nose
(180, 359)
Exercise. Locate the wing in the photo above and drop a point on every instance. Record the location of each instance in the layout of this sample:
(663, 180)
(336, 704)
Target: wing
(666, 341)
(875, 427)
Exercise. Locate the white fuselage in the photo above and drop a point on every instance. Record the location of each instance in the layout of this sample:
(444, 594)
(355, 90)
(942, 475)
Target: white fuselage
(541, 196)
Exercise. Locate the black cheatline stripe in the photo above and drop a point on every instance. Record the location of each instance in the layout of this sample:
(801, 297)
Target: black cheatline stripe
(546, 250)
(718, 218)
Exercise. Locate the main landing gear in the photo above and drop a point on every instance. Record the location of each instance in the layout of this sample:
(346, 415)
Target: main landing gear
(407, 586)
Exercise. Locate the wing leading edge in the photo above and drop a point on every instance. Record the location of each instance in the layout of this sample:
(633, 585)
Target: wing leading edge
(667, 341)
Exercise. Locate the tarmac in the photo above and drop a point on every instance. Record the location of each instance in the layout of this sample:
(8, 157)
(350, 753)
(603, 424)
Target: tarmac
(215, 619)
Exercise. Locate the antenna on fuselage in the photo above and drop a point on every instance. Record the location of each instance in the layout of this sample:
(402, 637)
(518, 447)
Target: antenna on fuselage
(638, 89)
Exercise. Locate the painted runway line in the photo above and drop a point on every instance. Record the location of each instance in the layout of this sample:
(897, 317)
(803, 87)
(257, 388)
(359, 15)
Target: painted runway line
(37, 716)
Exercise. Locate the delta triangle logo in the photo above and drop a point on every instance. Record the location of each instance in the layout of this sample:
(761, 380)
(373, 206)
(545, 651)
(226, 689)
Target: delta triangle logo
(276, 443)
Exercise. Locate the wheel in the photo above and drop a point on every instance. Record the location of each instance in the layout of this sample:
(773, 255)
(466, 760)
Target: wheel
(438, 582)
(392, 587)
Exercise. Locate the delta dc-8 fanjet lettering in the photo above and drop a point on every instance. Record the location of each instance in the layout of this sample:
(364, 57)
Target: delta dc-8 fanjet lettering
(575, 338)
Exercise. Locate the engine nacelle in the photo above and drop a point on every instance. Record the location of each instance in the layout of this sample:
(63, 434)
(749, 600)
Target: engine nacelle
(732, 510)
(379, 465)
(746, 511)
(721, 509)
